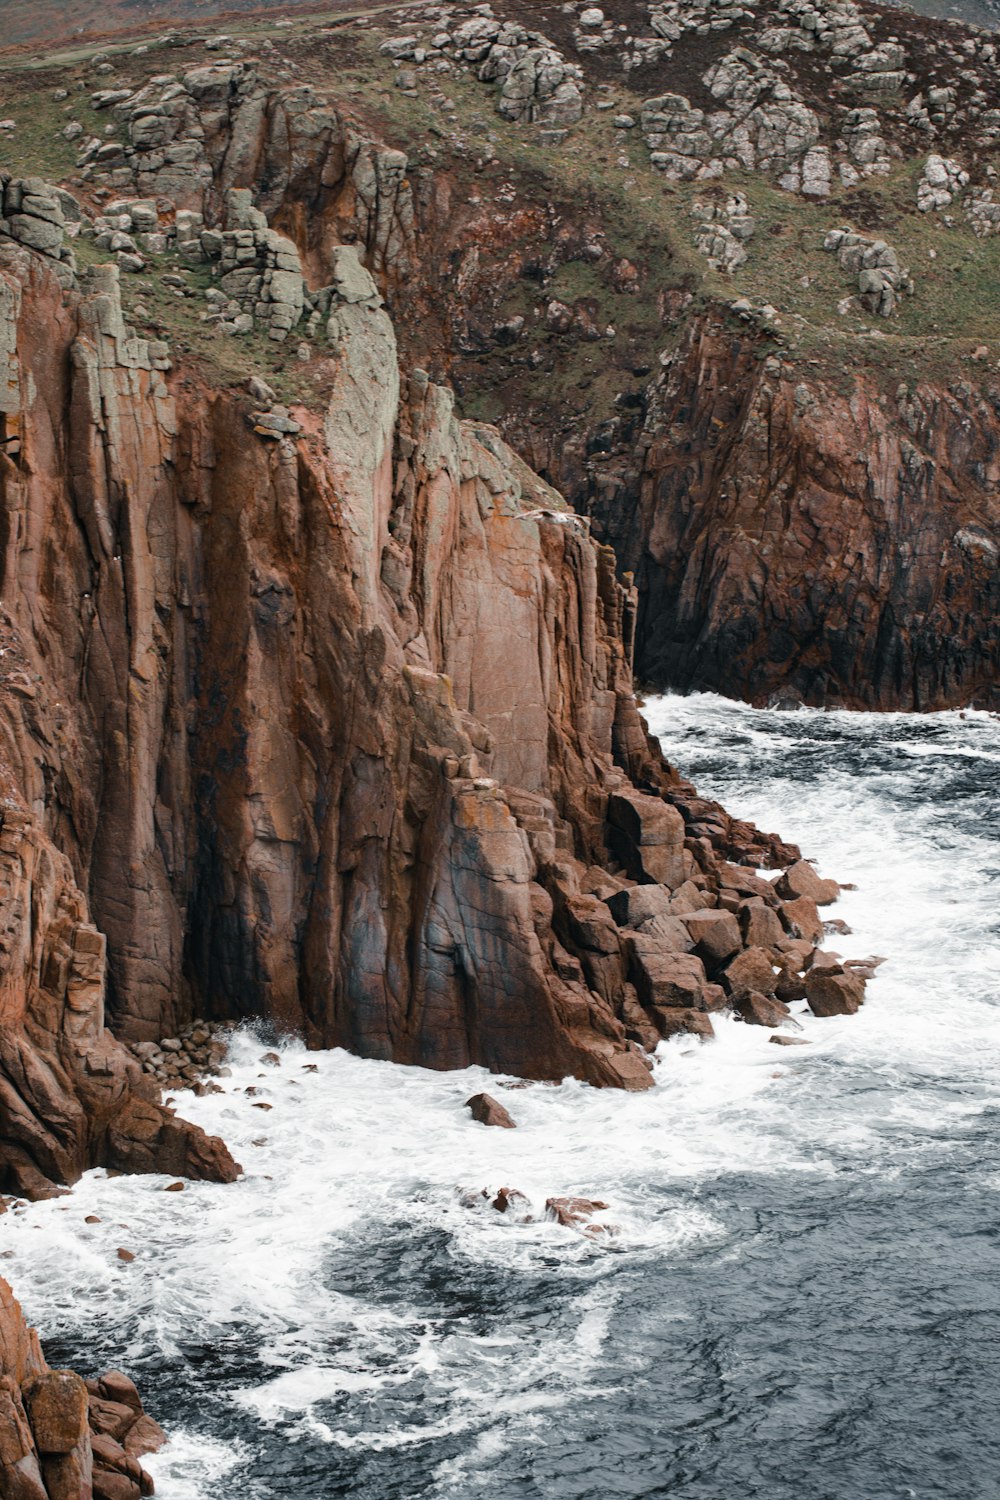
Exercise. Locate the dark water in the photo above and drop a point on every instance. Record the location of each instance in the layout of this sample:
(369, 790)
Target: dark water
(802, 1299)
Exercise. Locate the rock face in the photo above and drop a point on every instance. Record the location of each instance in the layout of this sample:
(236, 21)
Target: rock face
(328, 720)
(764, 526)
(62, 1438)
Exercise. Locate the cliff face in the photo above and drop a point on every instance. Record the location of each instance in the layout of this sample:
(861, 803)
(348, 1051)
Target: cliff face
(793, 539)
(330, 717)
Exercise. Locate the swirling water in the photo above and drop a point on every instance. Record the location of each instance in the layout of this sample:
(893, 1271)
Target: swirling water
(802, 1301)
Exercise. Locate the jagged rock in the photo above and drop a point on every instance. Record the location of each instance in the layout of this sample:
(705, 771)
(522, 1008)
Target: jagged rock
(880, 276)
(941, 182)
(761, 1010)
(749, 972)
(833, 993)
(716, 935)
(800, 879)
(486, 1111)
(724, 229)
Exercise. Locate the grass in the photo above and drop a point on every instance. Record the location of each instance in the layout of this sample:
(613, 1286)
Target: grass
(598, 179)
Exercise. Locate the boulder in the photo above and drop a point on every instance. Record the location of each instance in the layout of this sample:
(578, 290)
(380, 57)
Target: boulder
(761, 1010)
(834, 994)
(788, 1041)
(638, 903)
(662, 977)
(647, 834)
(671, 932)
(759, 924)
(487, 1111)
(802, 918)
(573, 1213)
(716, 935)
(801, 879)
(749, 972)
(675, 1020)
(57, 1410)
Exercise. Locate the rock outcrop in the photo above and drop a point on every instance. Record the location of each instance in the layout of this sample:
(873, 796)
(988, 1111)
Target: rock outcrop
(62, 1438)
(332, 721)
(835, 546)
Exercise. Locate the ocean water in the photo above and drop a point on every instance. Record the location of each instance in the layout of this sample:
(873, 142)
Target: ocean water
(798, 1296)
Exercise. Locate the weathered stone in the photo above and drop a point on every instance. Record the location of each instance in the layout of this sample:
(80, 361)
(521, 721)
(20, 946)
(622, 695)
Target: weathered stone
(749, 972)
(486, 1111)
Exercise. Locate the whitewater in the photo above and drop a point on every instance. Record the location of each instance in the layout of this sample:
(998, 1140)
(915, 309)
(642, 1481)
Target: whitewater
(797, 1296)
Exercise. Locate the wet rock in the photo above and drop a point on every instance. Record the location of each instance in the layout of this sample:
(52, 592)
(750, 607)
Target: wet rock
(662, 977)
(802, 919)
(574, 1213)
(487, 1111)
(761, 1010)
(789, 1041)
(676, 1021)
(832, 993)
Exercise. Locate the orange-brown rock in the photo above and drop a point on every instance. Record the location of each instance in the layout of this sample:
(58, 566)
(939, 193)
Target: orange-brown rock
(50, 1446)
(486, 1110)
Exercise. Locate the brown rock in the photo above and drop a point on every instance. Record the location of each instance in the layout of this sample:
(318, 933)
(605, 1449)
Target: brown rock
(748, 972)
(510, 1199)
(57, 1409)
(572, 1213)
(144, 1436)
(759, 924)
(789, 1041)
(662, 977)
(648, 836)
(675, 1021)
(125, 1255)
(487, 1111)
(803, 919)
(801, 879)
(637, 904)
(716, 935)
(834, 994)
(761, 1010)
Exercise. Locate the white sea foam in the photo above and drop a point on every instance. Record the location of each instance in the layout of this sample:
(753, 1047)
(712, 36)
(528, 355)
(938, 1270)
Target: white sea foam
(359, 1147)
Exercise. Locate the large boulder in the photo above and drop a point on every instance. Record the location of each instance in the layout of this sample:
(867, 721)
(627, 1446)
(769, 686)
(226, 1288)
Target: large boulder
(647, 834)
(761, 1010)
(801, 879)
(716, 935)
(662, 977)
(750, 971)
(834, 993)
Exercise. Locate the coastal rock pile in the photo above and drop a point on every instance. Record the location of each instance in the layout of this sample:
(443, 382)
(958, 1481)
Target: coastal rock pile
(184, 1061)
(64, 1438)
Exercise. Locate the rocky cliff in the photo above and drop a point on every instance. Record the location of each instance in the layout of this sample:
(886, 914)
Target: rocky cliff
(317, 702)
(329, 714)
